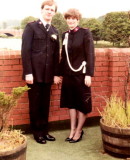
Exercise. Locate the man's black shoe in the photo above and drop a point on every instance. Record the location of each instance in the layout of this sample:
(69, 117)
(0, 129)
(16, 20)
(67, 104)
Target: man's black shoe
(40, 140)
(49, 137)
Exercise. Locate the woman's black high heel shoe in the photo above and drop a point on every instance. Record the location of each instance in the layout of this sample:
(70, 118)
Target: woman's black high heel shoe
(77, 140)
(68, 139)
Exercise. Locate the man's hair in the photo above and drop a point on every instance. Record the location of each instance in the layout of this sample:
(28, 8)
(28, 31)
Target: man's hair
(49, 3)
(74, 13)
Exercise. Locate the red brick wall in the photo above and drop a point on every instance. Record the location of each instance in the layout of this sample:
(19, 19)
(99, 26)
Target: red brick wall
(111, 68)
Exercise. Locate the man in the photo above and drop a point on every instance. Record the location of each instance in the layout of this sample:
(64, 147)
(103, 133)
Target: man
(40, 57)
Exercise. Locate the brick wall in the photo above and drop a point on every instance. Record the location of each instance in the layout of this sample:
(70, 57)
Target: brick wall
(111, 68)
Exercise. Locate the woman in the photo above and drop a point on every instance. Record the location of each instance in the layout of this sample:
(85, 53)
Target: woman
(77, 68)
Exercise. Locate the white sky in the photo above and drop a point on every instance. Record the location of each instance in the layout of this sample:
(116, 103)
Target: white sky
(19, 9)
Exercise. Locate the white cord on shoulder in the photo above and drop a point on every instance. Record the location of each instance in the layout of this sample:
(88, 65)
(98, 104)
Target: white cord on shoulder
(83, 65)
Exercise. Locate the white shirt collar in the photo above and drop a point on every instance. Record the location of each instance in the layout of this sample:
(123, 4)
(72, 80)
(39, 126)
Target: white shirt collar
(44, 22)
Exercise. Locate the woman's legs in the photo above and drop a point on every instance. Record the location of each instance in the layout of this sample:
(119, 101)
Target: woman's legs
(81, 121)
(73, 120)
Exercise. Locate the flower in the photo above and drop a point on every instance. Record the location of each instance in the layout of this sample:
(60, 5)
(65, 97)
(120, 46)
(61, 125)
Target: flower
(54, 37)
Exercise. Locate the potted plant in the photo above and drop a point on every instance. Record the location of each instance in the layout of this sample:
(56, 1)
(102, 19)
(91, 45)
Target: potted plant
(12, 142)
(115, 122)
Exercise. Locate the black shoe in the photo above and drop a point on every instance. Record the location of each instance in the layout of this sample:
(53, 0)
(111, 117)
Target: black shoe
(68, 139)
(77, 140)
(40, 140)
(49, 137)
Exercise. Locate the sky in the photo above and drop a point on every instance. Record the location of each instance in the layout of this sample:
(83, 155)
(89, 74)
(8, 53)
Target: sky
(19, 9)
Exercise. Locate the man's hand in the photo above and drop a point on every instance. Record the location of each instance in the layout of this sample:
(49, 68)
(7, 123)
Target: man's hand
(57, 80)
(87, 81)
(29, 78)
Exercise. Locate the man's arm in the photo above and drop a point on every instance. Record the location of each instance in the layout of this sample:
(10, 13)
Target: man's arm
(26, 53)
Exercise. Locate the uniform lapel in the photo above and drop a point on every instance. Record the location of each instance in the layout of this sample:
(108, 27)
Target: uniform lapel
(41, 26)
(51, 30)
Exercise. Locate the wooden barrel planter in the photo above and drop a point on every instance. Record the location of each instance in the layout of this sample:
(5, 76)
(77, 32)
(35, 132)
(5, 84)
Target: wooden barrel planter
(116, 141)
(18, 153)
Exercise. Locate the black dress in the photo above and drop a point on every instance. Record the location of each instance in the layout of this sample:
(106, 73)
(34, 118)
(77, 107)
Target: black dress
(74, 93)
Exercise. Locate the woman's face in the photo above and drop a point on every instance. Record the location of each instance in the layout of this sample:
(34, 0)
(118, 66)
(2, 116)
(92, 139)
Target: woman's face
(72, 22)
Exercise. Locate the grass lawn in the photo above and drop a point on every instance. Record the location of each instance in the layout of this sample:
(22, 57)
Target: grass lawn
(106, 44)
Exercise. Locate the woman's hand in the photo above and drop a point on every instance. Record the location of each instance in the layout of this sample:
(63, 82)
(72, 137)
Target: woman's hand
(87, 81)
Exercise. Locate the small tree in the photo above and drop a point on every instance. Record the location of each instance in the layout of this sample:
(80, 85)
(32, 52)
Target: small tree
(94, 25)
(8, 102)
(59, 22)
(116, 28)
(27, 20)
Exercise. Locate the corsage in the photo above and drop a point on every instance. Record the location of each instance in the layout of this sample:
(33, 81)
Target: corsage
(54, 37)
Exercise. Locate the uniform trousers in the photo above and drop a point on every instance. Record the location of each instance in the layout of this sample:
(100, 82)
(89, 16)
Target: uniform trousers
(39, 102)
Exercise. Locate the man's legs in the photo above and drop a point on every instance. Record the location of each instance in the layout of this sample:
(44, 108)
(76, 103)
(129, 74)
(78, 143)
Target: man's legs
(39, 101)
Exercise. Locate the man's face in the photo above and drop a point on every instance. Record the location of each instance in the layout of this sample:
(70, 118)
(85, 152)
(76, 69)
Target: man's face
(48, 12)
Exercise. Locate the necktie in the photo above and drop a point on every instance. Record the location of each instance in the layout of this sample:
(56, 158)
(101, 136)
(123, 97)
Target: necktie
(47, 27)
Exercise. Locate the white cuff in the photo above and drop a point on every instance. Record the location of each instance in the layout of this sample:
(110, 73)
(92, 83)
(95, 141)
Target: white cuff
(29, 77)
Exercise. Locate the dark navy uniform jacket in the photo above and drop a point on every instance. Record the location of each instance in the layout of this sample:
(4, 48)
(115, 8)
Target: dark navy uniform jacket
(40, 52)
(80, 48)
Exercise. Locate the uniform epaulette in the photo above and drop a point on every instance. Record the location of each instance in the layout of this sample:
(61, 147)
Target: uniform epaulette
(31, 22)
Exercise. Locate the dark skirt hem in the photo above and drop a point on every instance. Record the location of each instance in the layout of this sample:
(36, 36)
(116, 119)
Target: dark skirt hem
(85, 112)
